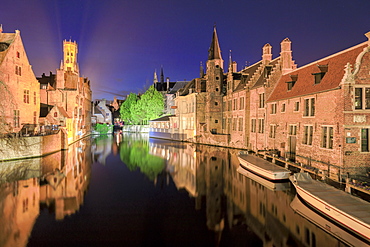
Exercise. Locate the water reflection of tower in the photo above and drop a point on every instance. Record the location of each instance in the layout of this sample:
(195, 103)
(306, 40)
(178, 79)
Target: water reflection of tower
(101, 148)
(213, 162)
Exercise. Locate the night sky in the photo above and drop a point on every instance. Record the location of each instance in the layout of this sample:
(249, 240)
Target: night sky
(121, 42)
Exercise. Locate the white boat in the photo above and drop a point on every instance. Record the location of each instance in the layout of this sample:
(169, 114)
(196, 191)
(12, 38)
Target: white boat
(271, 185)
(263, 167)
(328, 226)
(349, 211)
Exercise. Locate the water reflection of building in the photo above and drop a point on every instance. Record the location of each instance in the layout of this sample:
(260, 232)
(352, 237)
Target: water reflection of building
(19, 197)
(64, 188)
(209, 174)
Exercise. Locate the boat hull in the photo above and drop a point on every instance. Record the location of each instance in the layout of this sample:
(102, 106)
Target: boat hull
(263, 168)
(344, 218)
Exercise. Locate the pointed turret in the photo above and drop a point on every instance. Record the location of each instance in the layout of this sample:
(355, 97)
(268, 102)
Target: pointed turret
(201, 72)
(155, 79)
(214, 51)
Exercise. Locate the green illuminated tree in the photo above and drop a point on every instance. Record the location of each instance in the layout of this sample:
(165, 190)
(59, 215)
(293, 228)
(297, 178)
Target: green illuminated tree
(151, 104)
(137, 110)
(127, 107)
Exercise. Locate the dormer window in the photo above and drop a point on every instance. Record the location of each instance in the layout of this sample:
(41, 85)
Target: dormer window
(292, 82)
(321, 74)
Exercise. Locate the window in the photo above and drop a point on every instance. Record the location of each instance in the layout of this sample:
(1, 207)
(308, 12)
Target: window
(253, 125)
(18, 54)
(327, 137)
(283, 107)
(16, 118)
(365, 140)
(240, 125)
(234, 123)
(216, 121)
(272, 131)
(34, 98)
(229, 105)
(362, 98)
(261, 125)
(261, 100)
(235, 104)
(273, 108)
(309, 107)
(55, 114)
(296, 106)
(292, 130)
(216, 103)
(26, 96)
(34, 117)
(223, 123)
(241, 106)
(307, 135)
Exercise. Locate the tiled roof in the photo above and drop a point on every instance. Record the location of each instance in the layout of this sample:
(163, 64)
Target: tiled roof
(246, 75)
(305, 83)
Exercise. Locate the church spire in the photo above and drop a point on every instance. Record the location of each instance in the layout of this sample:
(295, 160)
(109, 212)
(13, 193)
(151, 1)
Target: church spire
(214, 51)
(162, 75)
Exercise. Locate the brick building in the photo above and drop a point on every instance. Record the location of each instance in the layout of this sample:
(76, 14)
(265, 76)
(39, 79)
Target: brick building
(19, 88)
(319, 114)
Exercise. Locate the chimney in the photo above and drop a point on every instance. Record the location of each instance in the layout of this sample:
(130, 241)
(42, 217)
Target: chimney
(235, 66)
(287, 64)
(266, 53)
(1, 28)
(368, 38)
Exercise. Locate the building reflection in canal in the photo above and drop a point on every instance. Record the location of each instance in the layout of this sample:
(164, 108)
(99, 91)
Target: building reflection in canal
(56, 182)
(240, 207)
(235, 199)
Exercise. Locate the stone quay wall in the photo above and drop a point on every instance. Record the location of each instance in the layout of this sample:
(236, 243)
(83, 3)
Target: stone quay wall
(32, 146)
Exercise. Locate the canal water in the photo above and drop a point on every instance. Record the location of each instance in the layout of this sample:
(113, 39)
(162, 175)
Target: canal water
(131, 190)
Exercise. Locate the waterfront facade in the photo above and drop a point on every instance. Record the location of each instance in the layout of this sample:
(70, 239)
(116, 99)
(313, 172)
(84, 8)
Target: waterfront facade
(19, 89)
(317, 115)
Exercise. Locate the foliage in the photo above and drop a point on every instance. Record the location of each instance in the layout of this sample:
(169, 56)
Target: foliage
(140, 110)
(135, 154)
(103, 128)
(126, 109)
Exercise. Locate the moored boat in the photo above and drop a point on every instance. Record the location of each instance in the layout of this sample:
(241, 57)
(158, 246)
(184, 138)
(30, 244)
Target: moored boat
(328, 226)
(349, 211)
(263, 167)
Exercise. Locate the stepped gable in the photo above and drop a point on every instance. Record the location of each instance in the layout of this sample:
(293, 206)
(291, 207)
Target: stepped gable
(305, 80)
(262, 79)
(247, 75)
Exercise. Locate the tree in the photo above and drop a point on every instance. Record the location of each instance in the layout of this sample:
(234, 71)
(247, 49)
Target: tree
(127, 107)
(151, 104)
(137, 110)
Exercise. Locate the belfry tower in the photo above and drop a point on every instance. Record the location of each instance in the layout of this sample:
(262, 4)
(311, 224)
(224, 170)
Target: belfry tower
(70, 56)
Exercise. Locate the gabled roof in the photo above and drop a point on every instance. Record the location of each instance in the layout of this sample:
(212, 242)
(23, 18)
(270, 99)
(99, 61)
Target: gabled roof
(262, 79)
(177, 86)
(6, 39)
(246, 75)
(305, 83)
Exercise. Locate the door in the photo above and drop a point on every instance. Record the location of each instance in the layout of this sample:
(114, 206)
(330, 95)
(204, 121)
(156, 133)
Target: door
(292, 148)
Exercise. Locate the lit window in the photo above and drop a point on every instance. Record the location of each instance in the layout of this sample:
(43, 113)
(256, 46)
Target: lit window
(362, 98)
(26, 96)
